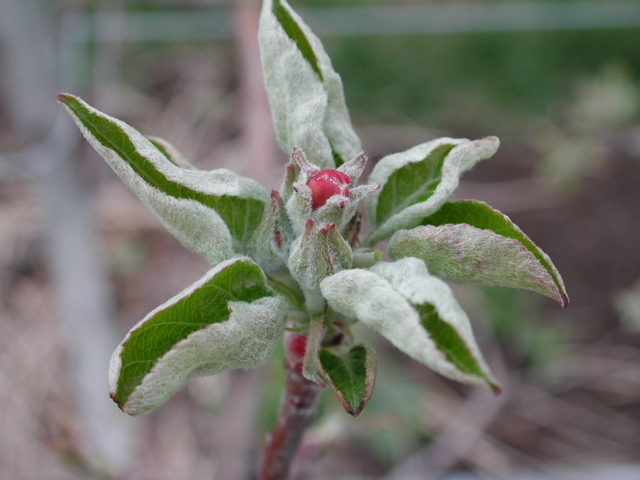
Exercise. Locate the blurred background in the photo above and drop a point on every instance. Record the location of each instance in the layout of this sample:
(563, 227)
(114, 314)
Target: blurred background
(82, 260)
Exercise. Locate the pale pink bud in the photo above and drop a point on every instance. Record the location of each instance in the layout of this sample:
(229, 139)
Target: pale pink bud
(326, 184)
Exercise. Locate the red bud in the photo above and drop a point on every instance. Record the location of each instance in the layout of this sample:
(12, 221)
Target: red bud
(326, 184)
(295, 345)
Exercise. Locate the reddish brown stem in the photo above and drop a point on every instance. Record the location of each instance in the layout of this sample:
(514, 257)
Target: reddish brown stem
(298, 410)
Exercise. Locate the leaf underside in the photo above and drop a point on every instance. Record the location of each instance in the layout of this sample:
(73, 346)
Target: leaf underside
(416, 182)
(416, 312)
(480, 215)
(239, 281)
(171, 153)
(305, 93)
(241, 215)
(163, 150)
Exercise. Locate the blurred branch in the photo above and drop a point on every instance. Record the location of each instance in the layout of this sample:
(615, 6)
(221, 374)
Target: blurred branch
(298, 410)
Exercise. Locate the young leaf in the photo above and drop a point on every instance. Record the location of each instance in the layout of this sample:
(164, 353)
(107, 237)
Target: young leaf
(311, 369)
(351, 375)
(318, 253)
(272, 238)
(305, 93)
(416, 182)
(468, 241)
(209, 212)
(228, 319)
(416, 312)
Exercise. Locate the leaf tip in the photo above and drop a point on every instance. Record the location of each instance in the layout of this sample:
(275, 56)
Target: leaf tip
(352, 412)
(64, 98)
(356, 410)
(495, 387)
(114, 397)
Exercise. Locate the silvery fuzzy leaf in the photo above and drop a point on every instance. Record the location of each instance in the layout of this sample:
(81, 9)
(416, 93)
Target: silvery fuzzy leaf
(305, 93)
(228, 319)
(311, 367)
(416, 312)
(210, 213)
(416, 182)
(272, 238)
(468, 241)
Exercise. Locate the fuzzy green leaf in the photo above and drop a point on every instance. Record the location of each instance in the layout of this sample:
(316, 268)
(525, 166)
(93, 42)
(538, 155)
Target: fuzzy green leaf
(469, 241)
(411, 184)
(448, 340)
(305, 93)
(416, 312)
(228, 319)
(416, 182)
(352, 375)
(206, 211)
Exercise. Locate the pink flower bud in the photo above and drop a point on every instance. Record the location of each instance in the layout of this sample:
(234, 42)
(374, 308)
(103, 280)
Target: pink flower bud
(326, 184)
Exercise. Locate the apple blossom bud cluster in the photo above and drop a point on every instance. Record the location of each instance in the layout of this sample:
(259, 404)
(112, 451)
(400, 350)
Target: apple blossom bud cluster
(309, 230)
(294, 261)
(325, 196)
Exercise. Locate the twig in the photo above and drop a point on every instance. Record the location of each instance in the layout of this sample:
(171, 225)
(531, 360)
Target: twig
(298, 410)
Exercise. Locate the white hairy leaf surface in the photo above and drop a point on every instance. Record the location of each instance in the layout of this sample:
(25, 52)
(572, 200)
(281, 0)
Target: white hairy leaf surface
(210, 212)
(305, 93)
(466, 254)
(477, 243)
(416, 312)
(206, 329)
(171, 152)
